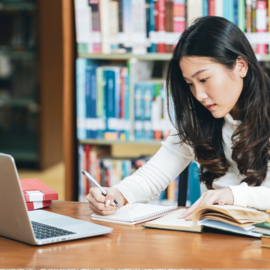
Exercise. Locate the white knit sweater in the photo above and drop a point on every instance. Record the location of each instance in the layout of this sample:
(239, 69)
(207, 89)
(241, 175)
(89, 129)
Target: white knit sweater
(171, 159)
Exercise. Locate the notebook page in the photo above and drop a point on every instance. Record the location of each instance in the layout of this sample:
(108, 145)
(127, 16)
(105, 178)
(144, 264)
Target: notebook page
(136, 212)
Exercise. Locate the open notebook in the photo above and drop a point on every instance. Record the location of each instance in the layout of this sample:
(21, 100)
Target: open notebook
(135, 213)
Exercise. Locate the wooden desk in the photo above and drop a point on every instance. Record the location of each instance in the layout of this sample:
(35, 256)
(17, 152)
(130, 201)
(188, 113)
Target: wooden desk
(136, 247)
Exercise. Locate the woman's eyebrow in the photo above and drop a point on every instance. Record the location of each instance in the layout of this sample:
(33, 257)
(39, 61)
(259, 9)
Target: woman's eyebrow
(196, 73)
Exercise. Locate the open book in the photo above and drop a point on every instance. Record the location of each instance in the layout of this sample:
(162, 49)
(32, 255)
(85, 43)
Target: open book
(135, 213)
(228, 218)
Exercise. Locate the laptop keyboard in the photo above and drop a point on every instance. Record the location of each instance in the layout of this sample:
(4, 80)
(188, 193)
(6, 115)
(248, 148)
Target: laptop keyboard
(43, 231)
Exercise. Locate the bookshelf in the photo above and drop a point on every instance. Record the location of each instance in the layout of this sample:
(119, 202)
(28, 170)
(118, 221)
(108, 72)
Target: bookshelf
(31, 42)
(116, 147)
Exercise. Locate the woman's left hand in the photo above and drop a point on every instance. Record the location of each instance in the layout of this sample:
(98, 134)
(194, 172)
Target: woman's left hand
(220, 196)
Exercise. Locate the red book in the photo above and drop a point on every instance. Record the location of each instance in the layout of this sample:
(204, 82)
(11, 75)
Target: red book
(161, 48)
(36, 191)
(37, 205)
(211, 4)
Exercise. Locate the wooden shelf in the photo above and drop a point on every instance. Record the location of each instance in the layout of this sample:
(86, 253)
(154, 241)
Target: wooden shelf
(107, 142)
(149, 56)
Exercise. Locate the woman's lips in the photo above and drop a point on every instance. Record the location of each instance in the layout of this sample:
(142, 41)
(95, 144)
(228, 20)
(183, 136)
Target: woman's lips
(210, 106)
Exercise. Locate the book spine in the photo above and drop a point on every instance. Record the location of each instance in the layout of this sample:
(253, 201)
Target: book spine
(147, 24)
(248, 15)
(80, 176)
(211, 4)
(111, 116)
(95, 26)
(152, 28)
(156, 112)
(138, 125)
(226, 9)
(148, 97)
(100, 104)
(127, 106)
(83, 26)
(80, 97)
(88, 103)
(241, 14)
(120, 35)
(128, 29)
(231, 10)
(37, 205)
(236, 12)
(205, 7)
(87, 149)
(261, 24)
(113, 25)
(161, 26)
(169, 21)
(104, 25)
(253, 16)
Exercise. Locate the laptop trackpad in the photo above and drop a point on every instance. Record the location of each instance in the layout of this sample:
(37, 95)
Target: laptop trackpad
(61, 221)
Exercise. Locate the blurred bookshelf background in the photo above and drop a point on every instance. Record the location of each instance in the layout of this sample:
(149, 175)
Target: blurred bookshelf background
(89, 75)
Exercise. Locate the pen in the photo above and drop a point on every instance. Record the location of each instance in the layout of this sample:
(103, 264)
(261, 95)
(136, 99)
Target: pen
(94, 181)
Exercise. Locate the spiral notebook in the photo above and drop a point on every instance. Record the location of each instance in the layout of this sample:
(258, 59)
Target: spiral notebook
(135, 213)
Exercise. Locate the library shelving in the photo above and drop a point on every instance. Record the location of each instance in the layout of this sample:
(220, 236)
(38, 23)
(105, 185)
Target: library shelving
(117, 148)
(31, 82)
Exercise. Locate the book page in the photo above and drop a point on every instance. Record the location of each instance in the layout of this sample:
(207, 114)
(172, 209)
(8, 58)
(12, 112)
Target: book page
(172, 222)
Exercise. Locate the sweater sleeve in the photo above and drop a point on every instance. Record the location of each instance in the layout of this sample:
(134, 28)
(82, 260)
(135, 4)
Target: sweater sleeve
(149, 180)
(255, 197)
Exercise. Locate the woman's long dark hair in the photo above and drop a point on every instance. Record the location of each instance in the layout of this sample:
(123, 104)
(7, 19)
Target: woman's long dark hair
(223, 42)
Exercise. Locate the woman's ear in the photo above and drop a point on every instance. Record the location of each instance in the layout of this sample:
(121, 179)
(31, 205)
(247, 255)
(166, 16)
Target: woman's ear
(241, 66)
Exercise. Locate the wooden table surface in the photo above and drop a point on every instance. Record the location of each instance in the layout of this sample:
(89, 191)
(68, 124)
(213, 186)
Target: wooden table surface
(136, 247)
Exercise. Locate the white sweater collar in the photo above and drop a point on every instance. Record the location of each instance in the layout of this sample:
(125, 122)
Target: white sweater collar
(231, 122)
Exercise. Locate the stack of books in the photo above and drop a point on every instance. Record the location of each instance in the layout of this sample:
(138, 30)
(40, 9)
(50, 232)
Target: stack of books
(36, 194)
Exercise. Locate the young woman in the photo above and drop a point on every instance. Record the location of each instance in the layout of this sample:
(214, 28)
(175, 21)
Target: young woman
(221, 103)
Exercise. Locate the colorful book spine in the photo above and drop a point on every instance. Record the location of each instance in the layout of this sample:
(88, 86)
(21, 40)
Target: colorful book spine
(81, 197)
(248, 16)
(104, 25)
(94, 4)
(128, 21)
(91, 102)
(152, 27)
(211, 4)
(80, 98)
(161, 26)
(261, 24)
(148, 92)
(205, 8)
(241, 14)
(120, 34)
(169, 44)
(138, 113)
(100, 104)
(228, 10)
(235, 12)
(253, 16)
(179, 23)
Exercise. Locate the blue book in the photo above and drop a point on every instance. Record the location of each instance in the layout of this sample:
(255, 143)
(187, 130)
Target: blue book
(231, 10)
(205, 8)
(91, 102)
(112, 95)
(235, 10)
(138, 113)
(80, 98)
(148, 95)
(127, 107)
(193, 189)
(127, 24)
(100, 103)
(152, 29)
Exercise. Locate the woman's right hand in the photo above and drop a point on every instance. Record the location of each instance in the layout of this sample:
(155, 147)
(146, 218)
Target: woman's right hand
(102, 205)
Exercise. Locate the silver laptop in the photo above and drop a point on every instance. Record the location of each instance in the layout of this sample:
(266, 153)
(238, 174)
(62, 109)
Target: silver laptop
(38, 227)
